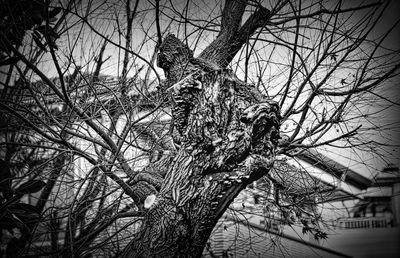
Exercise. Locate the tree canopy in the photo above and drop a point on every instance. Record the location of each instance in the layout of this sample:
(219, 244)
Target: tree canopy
(131, 120)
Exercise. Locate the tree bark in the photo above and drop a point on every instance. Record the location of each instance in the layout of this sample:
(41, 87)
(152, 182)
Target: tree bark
(225, 132)
(232, 36)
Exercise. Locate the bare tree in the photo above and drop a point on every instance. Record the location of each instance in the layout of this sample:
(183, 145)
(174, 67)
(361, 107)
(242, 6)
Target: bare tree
(156, 159)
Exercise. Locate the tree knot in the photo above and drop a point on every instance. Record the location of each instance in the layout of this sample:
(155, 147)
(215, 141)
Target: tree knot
(172, 49)
(263, 121)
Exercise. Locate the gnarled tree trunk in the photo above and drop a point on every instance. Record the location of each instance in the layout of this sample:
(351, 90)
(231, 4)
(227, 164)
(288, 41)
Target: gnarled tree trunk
(226, 133)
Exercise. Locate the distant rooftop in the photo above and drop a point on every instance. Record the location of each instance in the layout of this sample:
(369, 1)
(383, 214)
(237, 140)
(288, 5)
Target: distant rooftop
(334, 168)
(389, 176)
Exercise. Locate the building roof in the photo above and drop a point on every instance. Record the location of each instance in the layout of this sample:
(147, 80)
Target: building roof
(387, 177)
(334, 168)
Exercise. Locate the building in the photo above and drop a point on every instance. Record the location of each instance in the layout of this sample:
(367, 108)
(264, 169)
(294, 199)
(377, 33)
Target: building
(370, 228)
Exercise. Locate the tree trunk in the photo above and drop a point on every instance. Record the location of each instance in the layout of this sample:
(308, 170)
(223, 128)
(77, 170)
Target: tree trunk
(225, 131)
(227, 134)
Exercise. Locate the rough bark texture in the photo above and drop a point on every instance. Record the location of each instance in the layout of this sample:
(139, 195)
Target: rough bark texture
(225, 133)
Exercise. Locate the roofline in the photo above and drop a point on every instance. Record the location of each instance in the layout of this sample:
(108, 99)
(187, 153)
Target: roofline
(334, 168)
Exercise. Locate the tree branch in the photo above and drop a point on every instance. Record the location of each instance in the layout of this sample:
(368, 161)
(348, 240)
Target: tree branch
(232, 16)
(232, 37)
